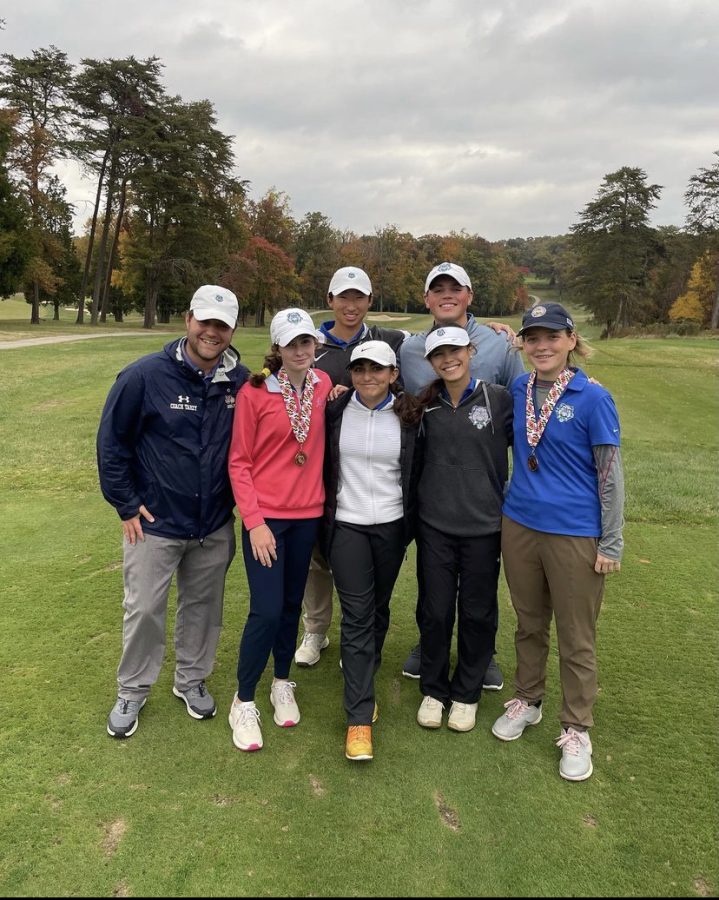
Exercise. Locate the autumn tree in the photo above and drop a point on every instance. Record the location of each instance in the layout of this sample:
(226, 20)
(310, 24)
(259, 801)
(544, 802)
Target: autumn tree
(697, 303)
(317, 256)
(702, 199)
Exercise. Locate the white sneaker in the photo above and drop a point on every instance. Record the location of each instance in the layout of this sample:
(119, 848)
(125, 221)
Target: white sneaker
(429, 714)
(308, 653)
(462, 716)
(511, 725)
(245, 725)
(576, 762)
(282, 698)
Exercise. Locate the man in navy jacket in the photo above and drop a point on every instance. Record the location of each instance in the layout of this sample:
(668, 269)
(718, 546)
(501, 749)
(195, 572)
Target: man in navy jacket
(162, 457)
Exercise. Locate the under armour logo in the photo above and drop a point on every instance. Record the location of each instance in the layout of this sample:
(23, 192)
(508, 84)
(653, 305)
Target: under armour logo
(181, 399)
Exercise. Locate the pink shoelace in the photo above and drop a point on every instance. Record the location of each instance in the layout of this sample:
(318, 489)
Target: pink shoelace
(572, 740)
(515, 707)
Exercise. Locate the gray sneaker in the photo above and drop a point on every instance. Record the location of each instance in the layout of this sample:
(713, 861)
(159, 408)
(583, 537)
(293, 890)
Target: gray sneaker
(576, 762)
(410, 669)
(493, 678)
(519, 714)
(123, 718)
(198, 700)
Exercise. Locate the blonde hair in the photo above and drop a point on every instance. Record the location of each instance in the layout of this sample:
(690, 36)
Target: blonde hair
(581, 349)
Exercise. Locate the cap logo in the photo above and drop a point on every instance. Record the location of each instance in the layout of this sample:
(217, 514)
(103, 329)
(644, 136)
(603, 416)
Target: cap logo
(219, 298)
(440, 332)
(538, 311)
(444, 267)
(293, 318)
(569, 322)
(351, 275)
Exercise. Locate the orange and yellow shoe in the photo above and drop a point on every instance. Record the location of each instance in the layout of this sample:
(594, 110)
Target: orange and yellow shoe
(358, 745)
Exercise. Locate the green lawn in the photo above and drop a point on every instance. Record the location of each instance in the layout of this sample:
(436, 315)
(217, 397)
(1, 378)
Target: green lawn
(176, 811)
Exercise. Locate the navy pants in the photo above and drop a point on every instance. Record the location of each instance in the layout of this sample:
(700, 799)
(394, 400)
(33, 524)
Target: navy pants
(275, 601)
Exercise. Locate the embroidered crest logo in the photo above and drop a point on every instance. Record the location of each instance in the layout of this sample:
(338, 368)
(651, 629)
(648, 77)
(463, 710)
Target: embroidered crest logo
(294, 318)
(479, 417)
(440, 332)
(538, 311)
(444, 267)
(564, 412)
(219, 298)
(351, 275)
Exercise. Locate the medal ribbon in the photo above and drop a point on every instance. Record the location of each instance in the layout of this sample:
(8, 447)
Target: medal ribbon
(299, 416)
(536, 426)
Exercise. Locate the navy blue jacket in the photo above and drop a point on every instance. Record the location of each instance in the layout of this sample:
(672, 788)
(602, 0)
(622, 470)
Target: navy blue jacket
(163, 442)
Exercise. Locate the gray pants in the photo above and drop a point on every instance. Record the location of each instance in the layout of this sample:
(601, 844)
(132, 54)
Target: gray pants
(317, 601)
(148, 569)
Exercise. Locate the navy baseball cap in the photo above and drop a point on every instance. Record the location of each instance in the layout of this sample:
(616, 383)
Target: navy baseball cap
(546, 315)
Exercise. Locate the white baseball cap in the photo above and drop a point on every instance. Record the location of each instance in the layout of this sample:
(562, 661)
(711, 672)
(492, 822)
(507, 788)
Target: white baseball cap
(451, 269)
(288, 324)
(377, 351)
(214, 302)
(451, 336)
(350, 278)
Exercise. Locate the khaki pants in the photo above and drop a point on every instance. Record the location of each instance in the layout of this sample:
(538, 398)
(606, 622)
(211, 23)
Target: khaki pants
(317, 601)
(553, 574)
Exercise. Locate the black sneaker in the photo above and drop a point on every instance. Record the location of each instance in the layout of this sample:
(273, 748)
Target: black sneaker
(493, 678)
(410, 669)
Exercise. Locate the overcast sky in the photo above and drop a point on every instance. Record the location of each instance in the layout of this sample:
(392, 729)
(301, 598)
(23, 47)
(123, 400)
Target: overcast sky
(500, 117)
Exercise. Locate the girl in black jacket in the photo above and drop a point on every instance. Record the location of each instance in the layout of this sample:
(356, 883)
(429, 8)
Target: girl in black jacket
(465, 434)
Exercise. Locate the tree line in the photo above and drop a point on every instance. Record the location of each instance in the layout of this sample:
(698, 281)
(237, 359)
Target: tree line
(170, 212)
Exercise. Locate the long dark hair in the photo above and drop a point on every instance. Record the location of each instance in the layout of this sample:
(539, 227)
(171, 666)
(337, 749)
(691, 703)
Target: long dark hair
(429, 394)
(407, 408)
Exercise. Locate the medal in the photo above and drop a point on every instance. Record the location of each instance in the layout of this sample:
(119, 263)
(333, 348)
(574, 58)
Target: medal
(536, 426)
(301, 414)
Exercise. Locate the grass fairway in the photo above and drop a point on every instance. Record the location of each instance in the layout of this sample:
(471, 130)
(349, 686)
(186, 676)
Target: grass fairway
(177, 811)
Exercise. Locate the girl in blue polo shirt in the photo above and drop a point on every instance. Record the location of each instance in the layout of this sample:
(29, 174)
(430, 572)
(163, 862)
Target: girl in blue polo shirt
(561, 529)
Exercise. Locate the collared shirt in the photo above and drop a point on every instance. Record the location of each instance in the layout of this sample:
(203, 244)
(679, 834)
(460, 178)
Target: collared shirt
(326, 327)
(207, 376)
(468, 391)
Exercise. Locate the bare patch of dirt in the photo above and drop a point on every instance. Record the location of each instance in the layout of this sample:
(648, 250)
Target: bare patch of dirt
(316, 786)
(590, 821)
(114, 833)
(383, 318)
(447, 815)
(702, 887)
(121, 889)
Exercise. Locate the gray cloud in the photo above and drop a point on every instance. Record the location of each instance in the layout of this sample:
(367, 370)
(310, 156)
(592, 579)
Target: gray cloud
(500, 117)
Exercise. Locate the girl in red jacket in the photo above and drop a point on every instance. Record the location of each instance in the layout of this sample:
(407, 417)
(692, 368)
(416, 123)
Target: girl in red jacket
(275, 466)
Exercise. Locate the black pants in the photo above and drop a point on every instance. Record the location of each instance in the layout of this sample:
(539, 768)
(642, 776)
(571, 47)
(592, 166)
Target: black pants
(459, 575)
(365, 562)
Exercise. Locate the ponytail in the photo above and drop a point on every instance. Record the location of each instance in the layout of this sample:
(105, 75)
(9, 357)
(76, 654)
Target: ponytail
(272, 363)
